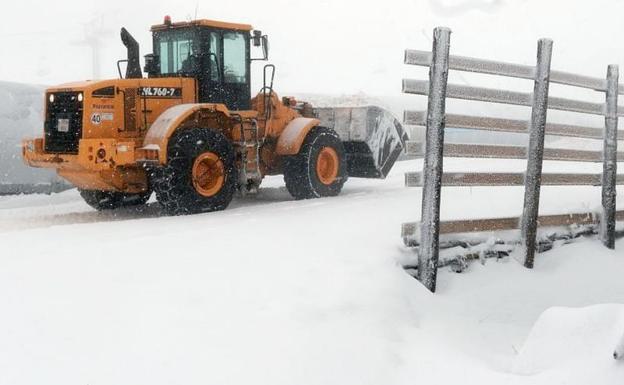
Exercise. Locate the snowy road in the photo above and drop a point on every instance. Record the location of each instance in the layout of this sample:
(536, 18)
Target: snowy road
(275, 291)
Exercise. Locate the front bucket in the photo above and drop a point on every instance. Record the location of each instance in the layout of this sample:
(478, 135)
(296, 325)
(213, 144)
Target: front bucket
(372, 136)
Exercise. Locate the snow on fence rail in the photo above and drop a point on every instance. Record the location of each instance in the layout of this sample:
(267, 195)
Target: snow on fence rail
(426, 233)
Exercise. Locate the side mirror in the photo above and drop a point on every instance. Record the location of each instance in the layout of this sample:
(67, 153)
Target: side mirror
(265, 47)
(152, 64)
(260, 40)
(257, 38)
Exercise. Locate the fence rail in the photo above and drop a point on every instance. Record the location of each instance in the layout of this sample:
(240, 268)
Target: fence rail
(474, 179)
(426, 233)
(411, 231)
(419, 118)
(490, 67)
(490, 95)
(458, 150)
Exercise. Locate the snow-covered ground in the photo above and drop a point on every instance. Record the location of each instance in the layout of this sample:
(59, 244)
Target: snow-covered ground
(276, 291)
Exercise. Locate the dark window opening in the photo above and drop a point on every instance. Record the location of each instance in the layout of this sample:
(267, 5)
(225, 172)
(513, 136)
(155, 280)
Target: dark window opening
(105, 92)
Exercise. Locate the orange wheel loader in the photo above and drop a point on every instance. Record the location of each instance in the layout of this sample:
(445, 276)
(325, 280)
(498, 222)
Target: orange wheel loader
(191, 132)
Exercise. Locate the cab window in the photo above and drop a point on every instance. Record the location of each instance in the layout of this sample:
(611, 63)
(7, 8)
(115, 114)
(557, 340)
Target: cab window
(214, 55)
(177, 51)
(234, 54)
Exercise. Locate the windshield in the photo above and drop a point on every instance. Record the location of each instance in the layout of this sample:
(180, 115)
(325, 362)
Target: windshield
(178, 51)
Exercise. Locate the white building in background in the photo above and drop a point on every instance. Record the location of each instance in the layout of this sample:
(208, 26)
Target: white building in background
(21, 115)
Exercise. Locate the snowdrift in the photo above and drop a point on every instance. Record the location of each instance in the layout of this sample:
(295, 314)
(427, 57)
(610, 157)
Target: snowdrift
(575, 345)
(21, 115)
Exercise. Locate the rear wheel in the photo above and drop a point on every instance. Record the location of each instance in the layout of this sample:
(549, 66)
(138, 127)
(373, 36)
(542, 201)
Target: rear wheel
(109, 200)
(319, 169)
(200, 175)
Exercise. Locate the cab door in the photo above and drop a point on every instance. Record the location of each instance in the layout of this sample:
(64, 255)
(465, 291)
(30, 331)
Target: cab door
(226, 79)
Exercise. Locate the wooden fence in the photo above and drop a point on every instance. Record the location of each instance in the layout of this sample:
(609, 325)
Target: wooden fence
(426, 233)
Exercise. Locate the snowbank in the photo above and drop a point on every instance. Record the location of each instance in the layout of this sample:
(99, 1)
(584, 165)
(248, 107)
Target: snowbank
(574, 345)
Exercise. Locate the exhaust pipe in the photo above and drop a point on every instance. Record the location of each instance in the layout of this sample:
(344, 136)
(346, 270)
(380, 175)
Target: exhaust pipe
(133, 70)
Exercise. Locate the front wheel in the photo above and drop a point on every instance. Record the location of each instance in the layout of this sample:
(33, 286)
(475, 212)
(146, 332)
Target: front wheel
(320, 167)
(200, 175)
(110, 200)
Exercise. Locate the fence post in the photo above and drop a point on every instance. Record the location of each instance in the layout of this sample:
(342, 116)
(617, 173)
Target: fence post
(432, 168)
(535, 153)
(609, 167)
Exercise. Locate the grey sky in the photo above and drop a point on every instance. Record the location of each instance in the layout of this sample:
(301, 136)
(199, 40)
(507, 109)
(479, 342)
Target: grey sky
(318, 46)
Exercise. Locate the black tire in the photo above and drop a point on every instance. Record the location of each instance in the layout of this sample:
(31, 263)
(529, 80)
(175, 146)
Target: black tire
(110, 200)
(173, 183)
(300, 174)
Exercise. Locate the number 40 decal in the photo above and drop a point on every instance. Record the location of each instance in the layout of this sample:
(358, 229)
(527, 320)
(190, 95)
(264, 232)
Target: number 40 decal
(97, 117)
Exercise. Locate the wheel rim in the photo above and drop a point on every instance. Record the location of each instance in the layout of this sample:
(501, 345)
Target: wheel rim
(327, 165)
(208, 174)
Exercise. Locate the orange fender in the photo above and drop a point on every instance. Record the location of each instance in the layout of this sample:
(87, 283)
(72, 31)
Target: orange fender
(291, 139)
(163, 128)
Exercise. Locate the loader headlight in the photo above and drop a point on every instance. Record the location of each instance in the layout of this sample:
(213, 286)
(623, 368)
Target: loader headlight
(80, 97)
(51, 98)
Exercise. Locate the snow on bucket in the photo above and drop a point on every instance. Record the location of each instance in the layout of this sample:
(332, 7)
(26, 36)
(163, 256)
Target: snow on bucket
(373, 138)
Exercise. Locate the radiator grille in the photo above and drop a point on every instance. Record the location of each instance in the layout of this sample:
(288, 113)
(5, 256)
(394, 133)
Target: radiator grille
(63, 123)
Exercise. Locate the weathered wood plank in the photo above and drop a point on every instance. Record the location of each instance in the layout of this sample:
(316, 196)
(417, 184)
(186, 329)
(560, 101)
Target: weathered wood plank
(468, 64)
(486, 151)
(535, 160)
(412, 229)
(609, 173)
(458, 179)
(491, 67)
(410, 232)
(416, 118)
(415, 149)
(413, 179)
(433, 168)
(490, 95)
(483, 179)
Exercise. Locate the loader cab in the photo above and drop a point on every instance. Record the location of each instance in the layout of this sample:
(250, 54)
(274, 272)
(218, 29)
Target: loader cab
(216, 54)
